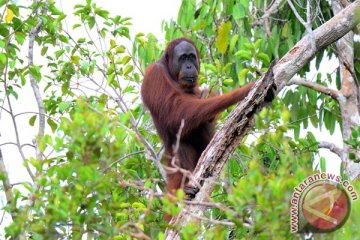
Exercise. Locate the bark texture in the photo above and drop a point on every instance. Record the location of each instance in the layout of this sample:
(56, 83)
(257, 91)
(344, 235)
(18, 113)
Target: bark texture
(349, 93)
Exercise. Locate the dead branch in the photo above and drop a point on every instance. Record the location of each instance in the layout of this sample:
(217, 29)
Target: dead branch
(317, 87)
(268, 12)
(332, 147)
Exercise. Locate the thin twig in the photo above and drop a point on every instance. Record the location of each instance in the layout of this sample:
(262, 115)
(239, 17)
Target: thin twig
(18, 144)
(122, 158)
(306, 24)
(315, 86)
(268, 12)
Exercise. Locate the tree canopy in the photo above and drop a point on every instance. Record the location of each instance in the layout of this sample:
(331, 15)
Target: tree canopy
(94, 166)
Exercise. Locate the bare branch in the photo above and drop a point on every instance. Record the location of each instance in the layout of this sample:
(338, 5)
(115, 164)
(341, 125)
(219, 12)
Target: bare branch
(315, 86)
(332, 147)
(37, 113)
(33, 34)
(268, 12)
(6, 183)
(297, 15)
(324, 35)
(17, 137)
(308, 22)
(122, 158)
(212, 221)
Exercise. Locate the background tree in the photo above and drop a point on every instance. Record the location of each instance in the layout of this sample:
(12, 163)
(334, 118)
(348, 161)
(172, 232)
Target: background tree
(94, 166)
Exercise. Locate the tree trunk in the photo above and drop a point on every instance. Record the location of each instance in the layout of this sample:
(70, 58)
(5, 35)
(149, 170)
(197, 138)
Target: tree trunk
(349, 98)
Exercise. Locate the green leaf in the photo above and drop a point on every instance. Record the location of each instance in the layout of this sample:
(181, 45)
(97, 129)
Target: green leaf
(32, 120)
(285, 30)
(257, 44)
(3, 58)
(239, 12)
(111, 69)
(285, 116)
(222, 41)
(81, 40)
(244, 54)
(338, 79)
(35, 163)
(210, 67)
(61, 17)
(323, 164)
(110, 78)
(44, 50)
(312, 95)
(54, 10)
(296, 131)
(354, 133)
(128, 69)
(2, 44)
(125, 60)
(63, 38)
(314, 120)
(9, 15)
(58, 53)
(75, 59)
(233, 42)
(357, 66)
(242, 76)
(249, 46)
(319, 58)
(112, 43)
(329, 121)
(23, 79)
(138, 205)
(102, 13)
(228, 81)
(264, 57)
(52, 124)
(20, 37)
(120, 49)
(35, 72)
(129, 89)
(76, 25)
(63, 106)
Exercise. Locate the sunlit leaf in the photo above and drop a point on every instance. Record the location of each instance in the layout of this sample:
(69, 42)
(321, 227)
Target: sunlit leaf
(128, 69)
(9, 15)
(222, 41)
(75, 59)
(264, 57)
(3, 58)
(242, 76)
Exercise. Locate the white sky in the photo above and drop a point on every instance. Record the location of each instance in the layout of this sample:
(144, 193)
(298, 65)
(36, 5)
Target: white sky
(147, 17)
